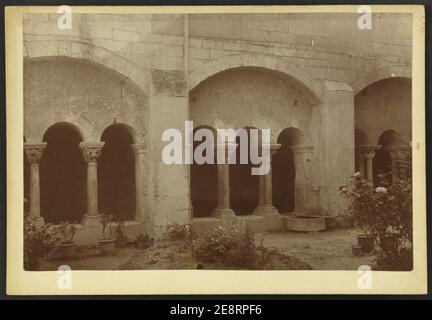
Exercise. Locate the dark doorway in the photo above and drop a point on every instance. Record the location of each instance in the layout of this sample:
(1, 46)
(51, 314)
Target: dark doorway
(116, 174)
(203, 183)
(382, 160)
(283, 171)
(62, 175)
(244, 187)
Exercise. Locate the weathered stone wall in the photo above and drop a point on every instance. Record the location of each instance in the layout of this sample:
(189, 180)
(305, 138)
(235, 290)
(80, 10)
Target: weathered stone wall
(244, 98)
(90, 97)
(392, 98)
(319, 60)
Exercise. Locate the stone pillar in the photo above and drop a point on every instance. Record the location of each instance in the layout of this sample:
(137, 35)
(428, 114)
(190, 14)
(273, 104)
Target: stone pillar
(368, 152)
(361, 163)
(91, 152)
(139, 151)
(302, 159)
(393, 152)
(265, 204)
(34, 153)
(223, 208)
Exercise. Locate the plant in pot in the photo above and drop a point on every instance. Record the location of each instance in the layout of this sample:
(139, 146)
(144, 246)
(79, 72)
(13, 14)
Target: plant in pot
(67, 246)
(39, 240)
(383, 212)
(121, 239)
(363, 210)
(107, 243)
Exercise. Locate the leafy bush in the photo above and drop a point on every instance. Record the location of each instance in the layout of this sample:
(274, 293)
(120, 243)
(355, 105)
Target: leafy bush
(226, 247)
(177, 232)
(385, 212)
(39, 239)
(66, 231)
(143, 241)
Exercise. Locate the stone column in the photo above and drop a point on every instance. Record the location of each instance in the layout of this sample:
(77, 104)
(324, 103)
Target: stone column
(223, 208)
(368, 152)
(34, 153)
(302, 158)
(393, 152)
(361, 163)
(265, 204)
(139, 151)
(91, 152)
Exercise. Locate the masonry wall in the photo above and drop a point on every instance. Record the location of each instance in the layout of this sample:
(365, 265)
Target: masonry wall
(327, 57)
(391, 97)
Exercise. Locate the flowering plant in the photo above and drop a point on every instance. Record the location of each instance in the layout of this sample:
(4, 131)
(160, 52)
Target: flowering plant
(384, 210)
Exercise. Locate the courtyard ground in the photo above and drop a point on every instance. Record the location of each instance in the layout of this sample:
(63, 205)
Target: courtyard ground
(328, 250)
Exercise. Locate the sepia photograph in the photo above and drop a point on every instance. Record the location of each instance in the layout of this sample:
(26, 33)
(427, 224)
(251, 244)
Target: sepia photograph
(269, 140)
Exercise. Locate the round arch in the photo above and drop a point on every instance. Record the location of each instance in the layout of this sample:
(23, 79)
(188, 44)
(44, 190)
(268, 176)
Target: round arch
(305, 82)
(135, 76)
(62, 174)
(381, 74)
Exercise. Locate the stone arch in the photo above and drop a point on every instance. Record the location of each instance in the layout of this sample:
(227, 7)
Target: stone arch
(244, 187)
(284, 169)
(203, 182)
(381, 74)
(305, 82)
(89, 131)
(135, 76)
(62, 174)
(116, 173)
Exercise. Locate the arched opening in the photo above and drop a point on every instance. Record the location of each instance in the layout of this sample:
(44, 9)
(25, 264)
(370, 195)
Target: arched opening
(116, 173)
(244, 187)
(203, 181)
(382, 161)
(283, 169)
(62, 175)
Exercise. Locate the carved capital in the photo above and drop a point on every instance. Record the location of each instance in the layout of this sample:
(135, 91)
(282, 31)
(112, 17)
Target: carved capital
(138, 148)
(91, 150)
(368, 151)
(34, 151)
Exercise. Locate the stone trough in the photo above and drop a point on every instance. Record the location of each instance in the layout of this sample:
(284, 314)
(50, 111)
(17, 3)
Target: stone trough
(305, 223)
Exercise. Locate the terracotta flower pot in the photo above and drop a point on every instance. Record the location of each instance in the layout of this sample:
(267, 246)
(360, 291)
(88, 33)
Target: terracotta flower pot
(107, 246)
(366, 242)
(68, 250)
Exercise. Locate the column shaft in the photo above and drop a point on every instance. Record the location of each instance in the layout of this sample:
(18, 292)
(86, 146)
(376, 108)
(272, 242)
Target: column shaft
(34, 154)
(91, 152)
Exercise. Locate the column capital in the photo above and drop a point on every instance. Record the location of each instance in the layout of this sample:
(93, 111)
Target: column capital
(34, 151)
(138, 148)
(91, 150)
(368, 151)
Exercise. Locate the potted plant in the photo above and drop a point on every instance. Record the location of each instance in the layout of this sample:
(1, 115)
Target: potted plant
(107, 243)
(383, 212)
(67, 247)
(121, 239)
(363, 210)
(39, 240)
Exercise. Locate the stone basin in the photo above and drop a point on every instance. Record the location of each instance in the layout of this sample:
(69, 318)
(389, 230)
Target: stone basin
(305, 223)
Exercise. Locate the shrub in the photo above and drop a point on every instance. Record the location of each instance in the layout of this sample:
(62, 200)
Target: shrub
(385, 212)
(143, 241)
(226, 247)
(39, 239)
(177, 232)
